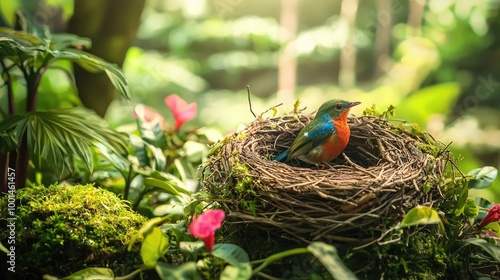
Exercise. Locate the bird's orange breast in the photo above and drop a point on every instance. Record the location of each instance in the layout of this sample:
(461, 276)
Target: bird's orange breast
(336, 144)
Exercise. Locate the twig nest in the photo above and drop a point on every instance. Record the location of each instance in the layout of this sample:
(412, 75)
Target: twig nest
(383, 173)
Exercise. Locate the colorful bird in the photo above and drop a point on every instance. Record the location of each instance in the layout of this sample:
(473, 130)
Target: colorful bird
(325, 137)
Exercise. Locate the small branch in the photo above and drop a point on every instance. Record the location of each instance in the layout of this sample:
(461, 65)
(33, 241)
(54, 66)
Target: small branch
(250, 102)
(277, 257)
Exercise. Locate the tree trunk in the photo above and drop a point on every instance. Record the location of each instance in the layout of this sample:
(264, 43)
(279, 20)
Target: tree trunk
(287, 67)
(112, 26)
(347, 72)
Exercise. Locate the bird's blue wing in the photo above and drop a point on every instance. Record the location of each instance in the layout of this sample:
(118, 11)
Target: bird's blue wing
(282, 156)
(313, 134)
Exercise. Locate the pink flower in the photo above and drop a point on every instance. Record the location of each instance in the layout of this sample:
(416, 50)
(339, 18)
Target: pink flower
(205, 225)
(148, 115)
(182, 111)
(492, 216)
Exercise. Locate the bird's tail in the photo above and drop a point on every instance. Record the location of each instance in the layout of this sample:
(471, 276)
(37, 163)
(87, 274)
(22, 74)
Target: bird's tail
(281, 157)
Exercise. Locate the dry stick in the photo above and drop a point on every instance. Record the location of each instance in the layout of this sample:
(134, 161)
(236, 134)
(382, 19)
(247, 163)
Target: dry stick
(250, 101)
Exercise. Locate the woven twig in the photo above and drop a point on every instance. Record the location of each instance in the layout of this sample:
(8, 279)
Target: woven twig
(378, 178)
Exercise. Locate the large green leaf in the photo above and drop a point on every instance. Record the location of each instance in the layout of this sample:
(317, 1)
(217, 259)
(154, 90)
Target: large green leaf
(154, 246)
(57, 137)
(492, 249)
(184, 271)
(8, 11)
(94, 64)
(20, 36)
(483, 177)
(328, 256)
(167, 186)
(435, 99)
(239, 266)
(231, 253)
(91, 273)
(420, 215)
(64, 40)
(146, 228)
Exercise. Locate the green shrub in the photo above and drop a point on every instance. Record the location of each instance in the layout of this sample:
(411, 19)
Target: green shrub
(62, 229)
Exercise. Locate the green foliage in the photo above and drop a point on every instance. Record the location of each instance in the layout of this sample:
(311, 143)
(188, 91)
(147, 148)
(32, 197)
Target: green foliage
(237, 259)
(58, 138)
(154, 246)
(86, 274)
(61, 229)
(482, 177)
(49, 136)
(329, 257)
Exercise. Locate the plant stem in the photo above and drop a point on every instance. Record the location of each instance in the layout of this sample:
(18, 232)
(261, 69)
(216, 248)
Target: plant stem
(4, 168)
(277, 257)
(33, 79)
(128, 181)
(23, 158)
(134, 273)
(10, 90)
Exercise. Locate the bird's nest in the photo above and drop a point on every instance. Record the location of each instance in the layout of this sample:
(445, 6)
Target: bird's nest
(384, 172)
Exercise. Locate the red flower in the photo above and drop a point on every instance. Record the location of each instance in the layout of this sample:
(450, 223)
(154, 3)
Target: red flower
(182, 111)
(492, 216)
(148, 115)
(205, 225)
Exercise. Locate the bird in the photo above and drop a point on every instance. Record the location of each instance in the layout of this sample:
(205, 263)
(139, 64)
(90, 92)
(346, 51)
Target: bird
(325, 137)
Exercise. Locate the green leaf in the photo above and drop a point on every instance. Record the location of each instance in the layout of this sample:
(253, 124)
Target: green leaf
(184, 271)
(147, 227)
(492, 249)
(462, 199)
(166, 186)
(159, 158)
(154, 246)
(191, 248)
(232, 254)
(328, 256)
(420, 215)
(195, 152)
(20, 37)
(483, 177)
(162, 176)
(239, 265)
(3, 249)
(8, 11)
(95, 64)
(65, 40)
(91, 273)
(57, 137)
(494, 227)
(470, 210)
(236, 272)
(421, 104)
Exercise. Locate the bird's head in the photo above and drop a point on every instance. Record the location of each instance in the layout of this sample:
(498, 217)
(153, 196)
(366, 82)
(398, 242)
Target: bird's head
(336, 108)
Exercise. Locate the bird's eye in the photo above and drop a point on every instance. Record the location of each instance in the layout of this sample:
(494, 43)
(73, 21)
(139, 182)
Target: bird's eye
(339, 106)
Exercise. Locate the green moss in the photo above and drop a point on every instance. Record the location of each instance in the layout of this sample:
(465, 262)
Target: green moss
(414, 256)
(62, 229)
(372, 111)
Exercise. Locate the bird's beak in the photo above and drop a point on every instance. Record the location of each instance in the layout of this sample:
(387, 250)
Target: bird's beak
(352, 104)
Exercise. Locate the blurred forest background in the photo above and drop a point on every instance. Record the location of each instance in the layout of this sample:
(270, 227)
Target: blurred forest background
(437, 62)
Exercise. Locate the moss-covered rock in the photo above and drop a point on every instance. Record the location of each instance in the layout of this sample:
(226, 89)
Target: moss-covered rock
(62, 229)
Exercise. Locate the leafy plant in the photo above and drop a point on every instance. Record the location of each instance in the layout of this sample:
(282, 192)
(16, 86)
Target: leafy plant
(461, 232)
(223, 261)
(53, 138)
